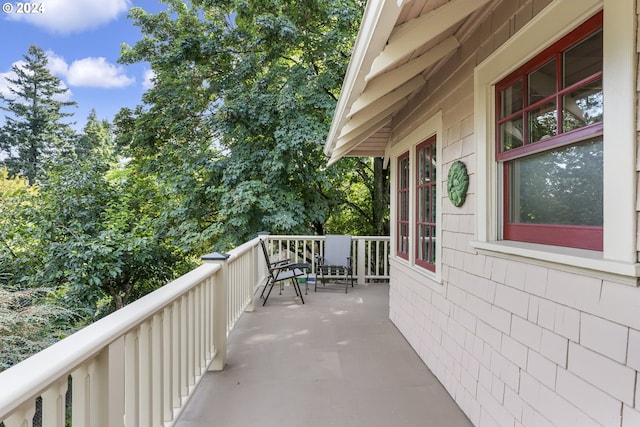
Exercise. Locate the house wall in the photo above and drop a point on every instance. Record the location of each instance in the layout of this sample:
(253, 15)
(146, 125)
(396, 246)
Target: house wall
(515, 341)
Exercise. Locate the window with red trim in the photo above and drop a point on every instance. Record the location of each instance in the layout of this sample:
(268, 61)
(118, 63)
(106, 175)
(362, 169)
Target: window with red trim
(426, 204)
(549, 121)
(402, 222)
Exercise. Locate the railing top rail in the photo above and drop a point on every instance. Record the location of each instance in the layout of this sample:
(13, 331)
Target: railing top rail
(243, 248)
(318, 237)
(29, 378)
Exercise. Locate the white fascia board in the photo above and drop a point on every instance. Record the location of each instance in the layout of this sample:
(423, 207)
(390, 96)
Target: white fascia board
(378, 21)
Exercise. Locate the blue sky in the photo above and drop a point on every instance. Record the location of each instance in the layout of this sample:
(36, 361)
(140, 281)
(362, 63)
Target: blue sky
(82, 40)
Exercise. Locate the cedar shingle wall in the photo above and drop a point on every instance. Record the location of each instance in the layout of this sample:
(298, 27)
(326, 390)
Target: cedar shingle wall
(515, 344)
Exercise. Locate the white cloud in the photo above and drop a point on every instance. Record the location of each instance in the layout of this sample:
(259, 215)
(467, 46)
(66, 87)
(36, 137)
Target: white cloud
(72, 16)
(4, 84)
(148, 82)
(56, 64)
(97, 72)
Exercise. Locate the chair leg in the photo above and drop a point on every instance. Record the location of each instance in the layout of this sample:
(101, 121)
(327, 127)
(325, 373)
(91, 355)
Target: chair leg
(264, 289)
(296, 285)
(268, 293)
(346, 281)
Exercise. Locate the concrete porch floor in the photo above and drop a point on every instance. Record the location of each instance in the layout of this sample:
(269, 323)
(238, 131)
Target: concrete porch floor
(337, 360)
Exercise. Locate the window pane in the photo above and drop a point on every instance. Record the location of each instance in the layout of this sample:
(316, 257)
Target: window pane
(424, 166)
(422, 242)
(403, 173)
(542, 82)
(433, 162)
(584, 106)
(432, 218)
(511, 99)
(583, 60)
(511, 135)
(563, 186)
(425, 200)
(422, 204)
(404, 206)
(403, 243)
(543, 122)
(426, 243)
(432, 245)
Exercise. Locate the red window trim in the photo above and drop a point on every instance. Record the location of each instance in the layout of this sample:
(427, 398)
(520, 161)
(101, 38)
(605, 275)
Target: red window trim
(426, 264)
(565, 138)
(589, 27)
(399, 222)
(582, 237)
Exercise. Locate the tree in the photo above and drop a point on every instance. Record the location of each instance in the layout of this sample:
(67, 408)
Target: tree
(18, 245)
(33, 130)
(96, 140)
(101, 248)
(246, 91)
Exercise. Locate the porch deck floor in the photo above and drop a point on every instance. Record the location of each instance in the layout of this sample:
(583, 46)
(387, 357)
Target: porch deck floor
(335, 361)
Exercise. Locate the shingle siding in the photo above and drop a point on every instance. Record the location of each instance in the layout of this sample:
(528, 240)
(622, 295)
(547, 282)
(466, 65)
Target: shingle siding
(516, 344)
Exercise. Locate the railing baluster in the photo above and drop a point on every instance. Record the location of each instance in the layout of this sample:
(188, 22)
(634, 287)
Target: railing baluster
(131, 378)
(375, 257)
(197, 326)
(167, 363)
(156, 370)
(184, 351)
(80, 397)
(144, 372)
(112, 381)
(176, 354)
(22, 417)
(53, 404)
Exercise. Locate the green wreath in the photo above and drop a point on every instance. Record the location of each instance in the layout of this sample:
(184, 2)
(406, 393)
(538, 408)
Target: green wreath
(457, 183)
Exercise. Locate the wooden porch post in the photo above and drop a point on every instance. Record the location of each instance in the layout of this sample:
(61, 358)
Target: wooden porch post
(220, 310)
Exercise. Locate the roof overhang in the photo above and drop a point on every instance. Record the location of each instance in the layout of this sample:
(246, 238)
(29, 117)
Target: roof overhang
(400, 43)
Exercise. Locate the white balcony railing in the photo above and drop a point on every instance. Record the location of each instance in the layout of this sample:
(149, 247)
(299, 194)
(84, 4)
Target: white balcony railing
(141, 364)
(370, 254)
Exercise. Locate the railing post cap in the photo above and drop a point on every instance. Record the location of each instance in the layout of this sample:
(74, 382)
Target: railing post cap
(263, 233)
(215, 256)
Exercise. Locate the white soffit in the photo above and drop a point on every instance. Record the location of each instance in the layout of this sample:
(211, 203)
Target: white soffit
(386, 67)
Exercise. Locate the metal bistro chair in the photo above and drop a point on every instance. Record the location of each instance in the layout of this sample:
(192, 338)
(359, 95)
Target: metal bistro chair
(336, 260)
(280, 271)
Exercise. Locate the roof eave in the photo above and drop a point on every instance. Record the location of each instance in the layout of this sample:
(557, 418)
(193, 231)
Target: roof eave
(377, 24)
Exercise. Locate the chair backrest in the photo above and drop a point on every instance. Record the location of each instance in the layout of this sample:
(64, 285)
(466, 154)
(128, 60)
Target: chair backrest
(337, 249)
(266, 257)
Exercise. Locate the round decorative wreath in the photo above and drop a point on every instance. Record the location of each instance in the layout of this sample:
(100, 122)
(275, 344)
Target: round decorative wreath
(457, 183)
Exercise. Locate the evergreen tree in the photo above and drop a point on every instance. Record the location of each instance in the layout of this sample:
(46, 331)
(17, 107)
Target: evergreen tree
(33, 131)
(96, 139)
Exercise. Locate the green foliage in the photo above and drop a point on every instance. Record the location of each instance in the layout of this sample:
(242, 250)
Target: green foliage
(245, 91)
(99, 236)
(28, 324)
(18, 245)
(96, 140)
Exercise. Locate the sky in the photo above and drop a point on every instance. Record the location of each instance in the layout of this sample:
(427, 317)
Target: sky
(82, 41)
